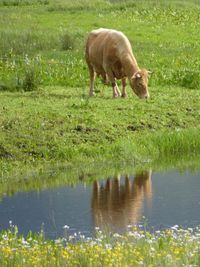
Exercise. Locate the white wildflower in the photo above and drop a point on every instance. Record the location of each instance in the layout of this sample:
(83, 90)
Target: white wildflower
(174, 227)
(66, 227)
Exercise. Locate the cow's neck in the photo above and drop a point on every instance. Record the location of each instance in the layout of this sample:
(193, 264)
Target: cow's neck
(130, 66)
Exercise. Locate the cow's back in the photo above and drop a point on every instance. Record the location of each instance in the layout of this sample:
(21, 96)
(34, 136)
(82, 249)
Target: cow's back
(105, 44)
(95, 46)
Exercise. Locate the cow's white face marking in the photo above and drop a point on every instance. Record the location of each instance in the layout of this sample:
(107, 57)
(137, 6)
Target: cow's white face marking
(139, 83)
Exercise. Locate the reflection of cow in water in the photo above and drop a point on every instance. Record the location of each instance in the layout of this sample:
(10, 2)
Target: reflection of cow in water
(116, 205)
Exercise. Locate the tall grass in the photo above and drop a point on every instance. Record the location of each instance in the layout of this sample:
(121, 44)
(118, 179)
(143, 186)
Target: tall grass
(159, 36)
(78, 5)
(26, 42)
(23, 2)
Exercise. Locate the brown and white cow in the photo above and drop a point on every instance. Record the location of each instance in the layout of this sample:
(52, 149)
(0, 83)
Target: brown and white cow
(109, 54)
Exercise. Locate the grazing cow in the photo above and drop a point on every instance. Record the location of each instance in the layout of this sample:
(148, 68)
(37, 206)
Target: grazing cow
(109, 55)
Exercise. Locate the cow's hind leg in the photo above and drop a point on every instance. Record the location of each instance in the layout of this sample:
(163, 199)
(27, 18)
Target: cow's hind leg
(105, 78)
(116, 91)
(92, 79)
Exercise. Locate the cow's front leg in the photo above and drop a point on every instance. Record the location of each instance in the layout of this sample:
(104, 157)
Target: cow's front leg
(124, 93)
(116, 91)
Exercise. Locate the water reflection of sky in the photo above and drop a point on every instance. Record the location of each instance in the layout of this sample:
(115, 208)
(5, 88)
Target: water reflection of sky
(164, 199)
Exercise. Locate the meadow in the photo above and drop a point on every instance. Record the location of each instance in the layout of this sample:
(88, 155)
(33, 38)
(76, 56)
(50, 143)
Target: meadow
(42, 42)
(46, 114)
(51, 132)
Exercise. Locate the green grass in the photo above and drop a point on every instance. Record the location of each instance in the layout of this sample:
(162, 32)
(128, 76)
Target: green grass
(52, 134)
(165, 39)
(42, 51)
(172, 247)
(64, 125)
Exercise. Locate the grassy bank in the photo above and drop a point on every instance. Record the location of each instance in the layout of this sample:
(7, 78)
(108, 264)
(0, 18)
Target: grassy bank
(172, 247)
(45, 114)
(64, 125)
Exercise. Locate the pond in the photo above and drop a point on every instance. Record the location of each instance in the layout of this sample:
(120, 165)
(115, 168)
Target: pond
(160, 199)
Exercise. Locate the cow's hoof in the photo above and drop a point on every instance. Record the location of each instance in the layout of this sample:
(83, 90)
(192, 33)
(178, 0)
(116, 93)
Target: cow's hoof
(124, 95)
(115, 96)
(91, 94)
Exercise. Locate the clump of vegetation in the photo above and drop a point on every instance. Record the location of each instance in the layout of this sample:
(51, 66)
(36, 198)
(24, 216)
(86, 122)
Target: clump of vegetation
(170, 247)
(23, 2)
(187, 78)
(25, 75)
(4, 153)
(67, 41)
(19, 44)
(30, 82)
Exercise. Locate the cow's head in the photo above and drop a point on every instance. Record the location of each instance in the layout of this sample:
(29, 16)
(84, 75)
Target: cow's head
(139, 83)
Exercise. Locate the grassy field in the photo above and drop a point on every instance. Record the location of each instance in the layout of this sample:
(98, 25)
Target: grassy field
(45, 41)
(46, 115)
(52, 133)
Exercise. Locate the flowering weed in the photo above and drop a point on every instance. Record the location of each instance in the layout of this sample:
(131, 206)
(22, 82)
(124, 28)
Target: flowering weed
(170, 247)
